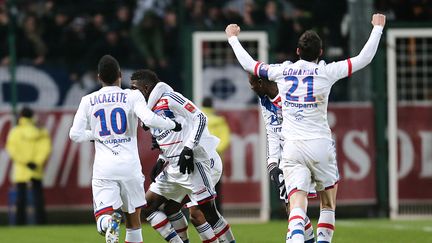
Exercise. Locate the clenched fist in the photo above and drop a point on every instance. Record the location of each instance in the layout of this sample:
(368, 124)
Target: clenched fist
(232, 30)
(378, 19)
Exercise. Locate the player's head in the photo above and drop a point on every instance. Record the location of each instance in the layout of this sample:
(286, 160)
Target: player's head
(26, 112)
(256, 84)
(144, 80)
(263, 86)
(309, 46)
(207, 102)
(109, 71)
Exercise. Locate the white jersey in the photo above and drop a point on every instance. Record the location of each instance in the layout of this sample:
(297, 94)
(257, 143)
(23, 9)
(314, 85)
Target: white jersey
(194, 133)
(109, 116)
(271, 111)
(305, 86)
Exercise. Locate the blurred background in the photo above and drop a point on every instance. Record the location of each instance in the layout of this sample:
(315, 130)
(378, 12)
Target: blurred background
(48, 59)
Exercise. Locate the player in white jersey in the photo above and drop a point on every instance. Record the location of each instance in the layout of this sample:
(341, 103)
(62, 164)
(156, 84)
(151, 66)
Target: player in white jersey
(193, 150)
(109, 117)
(271, 110)
(309, 153)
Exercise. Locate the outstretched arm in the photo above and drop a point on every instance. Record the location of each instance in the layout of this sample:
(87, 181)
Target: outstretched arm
(247, 62)
(368, 52)
(345, 68)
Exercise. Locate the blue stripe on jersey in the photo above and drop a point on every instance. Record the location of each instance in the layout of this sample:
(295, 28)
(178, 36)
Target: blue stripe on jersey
(203, 175)
(201, 127)
(270, 106)
(322, 241)
(177, 98)
(263, 71)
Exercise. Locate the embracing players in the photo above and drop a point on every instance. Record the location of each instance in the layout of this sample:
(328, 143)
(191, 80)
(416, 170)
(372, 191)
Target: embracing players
(109, 117)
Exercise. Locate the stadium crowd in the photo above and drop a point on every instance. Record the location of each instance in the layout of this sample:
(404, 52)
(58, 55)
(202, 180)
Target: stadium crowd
(148, 32)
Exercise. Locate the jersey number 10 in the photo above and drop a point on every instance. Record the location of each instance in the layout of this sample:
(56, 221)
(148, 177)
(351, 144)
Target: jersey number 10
(114, 126)
(309, 96)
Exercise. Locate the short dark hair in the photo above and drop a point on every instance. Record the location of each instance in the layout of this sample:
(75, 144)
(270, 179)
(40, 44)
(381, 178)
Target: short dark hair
(309, 45)
(145, 75)
(26, 112)
(207, 102)
(108, 69)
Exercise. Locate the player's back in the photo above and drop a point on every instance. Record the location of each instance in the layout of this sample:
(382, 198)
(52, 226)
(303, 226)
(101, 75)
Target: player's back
(114, 125)
(305, 88)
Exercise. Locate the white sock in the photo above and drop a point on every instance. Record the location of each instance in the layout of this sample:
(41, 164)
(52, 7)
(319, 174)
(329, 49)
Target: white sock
(309, 232)
(296, 225)
(133, 236)
(325, 227)
(103, 223)
(161, 224)
(206, 233)
(223, 231)
(180, 224)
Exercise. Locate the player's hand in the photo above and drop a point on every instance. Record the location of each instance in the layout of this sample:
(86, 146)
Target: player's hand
(277, 179)
(232, 30)
(157, 169)
(378, 19)
(155, 144)
(186, 161)
(178, 127)
(31, 165)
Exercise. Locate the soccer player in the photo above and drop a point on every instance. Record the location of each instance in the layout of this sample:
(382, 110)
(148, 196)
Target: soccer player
(190, 156)
(271, 110)
(308, 154)
(109, 117)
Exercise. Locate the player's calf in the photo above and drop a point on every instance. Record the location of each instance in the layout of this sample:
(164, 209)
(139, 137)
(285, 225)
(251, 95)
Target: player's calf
(325, 227)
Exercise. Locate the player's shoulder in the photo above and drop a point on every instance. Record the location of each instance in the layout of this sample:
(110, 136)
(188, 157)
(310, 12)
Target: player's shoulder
(282, 64)
(174, 97)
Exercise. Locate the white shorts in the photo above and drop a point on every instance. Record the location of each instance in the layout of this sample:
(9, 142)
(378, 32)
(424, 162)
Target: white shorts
(215, 174)
(110, 195)
(309, 161)
(174, 185)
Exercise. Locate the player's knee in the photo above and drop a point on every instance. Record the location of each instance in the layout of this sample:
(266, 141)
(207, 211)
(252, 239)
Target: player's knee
(197, 217)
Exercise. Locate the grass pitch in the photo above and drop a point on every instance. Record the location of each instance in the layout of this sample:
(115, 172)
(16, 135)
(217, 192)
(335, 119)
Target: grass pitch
(347, 231)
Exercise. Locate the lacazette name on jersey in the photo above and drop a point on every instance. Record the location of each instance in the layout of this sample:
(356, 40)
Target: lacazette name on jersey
(117, 97)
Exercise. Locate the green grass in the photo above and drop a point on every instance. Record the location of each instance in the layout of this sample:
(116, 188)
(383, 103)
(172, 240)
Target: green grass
(347, 231)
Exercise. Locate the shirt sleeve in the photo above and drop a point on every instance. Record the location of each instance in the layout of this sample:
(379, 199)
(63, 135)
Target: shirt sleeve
(79, 132)
(181, 106)
(345, 68)
(149, 118)
(270, 72)
(272, 136)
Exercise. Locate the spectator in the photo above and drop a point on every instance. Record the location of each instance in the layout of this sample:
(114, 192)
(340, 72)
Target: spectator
(54, 31)
(219, 127)
(30, 43)
(148, 37)
(29, 147)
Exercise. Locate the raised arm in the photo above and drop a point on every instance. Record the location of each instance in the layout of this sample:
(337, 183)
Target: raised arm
(345, 68)
(368, 52)
(245, 60)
